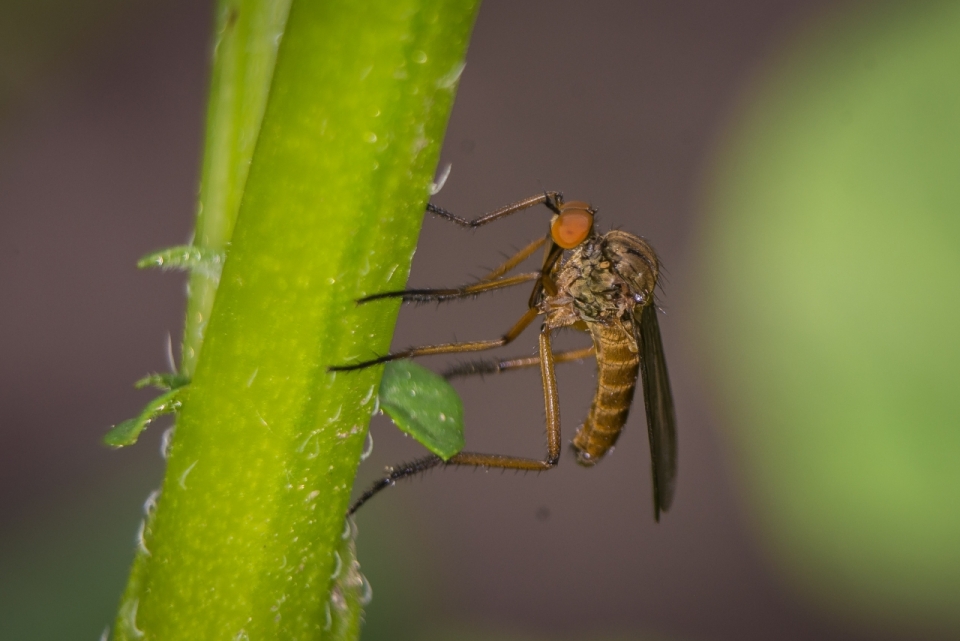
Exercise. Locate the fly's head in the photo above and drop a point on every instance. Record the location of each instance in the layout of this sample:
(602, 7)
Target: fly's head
(571, 228)
(572, 224)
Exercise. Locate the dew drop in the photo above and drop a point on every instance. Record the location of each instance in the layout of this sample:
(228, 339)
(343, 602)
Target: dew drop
(338, 566)
(367, 595)
(367, 447)
(150, 505)
(336, 416)
(315, 450)
(166, 441)
(369, 395)
(141, 538)
(451, 78)
(129, 618)
(171, 361)
(441, 180)
(186, 472)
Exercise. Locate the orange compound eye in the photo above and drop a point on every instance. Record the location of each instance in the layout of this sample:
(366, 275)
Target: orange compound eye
(572, 226)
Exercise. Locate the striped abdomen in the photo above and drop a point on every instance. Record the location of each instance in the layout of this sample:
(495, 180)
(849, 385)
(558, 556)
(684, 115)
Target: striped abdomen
(618, 363)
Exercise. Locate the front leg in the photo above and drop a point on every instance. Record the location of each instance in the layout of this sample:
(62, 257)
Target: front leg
(492, 281)
(552, 199)
(442, 295)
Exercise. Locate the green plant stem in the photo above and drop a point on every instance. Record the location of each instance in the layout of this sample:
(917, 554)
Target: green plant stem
(247, 35)
(244, 541)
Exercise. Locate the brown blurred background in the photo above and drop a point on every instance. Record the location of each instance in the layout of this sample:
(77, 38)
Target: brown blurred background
(618, 103)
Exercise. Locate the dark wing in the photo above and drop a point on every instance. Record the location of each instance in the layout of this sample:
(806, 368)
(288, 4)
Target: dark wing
(661, 420)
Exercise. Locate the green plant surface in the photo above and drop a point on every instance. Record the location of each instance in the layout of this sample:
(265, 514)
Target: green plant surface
(247, 541)
(247, 35)
(831, 299)
(423, 405)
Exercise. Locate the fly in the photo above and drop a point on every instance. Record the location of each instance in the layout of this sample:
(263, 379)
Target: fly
(601, 284)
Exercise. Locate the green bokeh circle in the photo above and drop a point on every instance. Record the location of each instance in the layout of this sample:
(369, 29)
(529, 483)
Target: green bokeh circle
(831, 310)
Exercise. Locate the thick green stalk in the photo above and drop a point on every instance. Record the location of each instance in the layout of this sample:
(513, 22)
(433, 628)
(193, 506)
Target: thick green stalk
(247, 35)
(246, 539)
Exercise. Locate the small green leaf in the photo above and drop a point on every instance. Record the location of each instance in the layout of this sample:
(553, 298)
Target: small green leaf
(424, 406)
(186, 258)
(127, 432)
(164, 381)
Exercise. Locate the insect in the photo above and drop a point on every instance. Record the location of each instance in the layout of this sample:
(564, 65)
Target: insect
(600, 284)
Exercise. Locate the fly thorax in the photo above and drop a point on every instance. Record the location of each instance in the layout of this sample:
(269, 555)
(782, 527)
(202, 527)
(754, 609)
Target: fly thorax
(591, 287)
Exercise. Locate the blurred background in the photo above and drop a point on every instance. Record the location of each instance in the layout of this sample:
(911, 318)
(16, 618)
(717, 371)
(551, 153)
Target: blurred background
(794, 162)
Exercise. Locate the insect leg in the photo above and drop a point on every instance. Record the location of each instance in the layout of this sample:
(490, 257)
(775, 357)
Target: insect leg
(440, 295)
(424, 295)
(447, 348)
(472, 368)
(552, 404)
(545, 282)
(515, 260)
(399, 472)
(552, 199)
